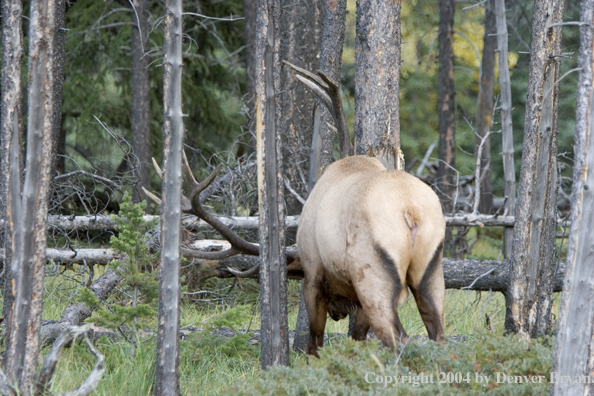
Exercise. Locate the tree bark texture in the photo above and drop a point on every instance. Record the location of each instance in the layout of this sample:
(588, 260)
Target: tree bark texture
(166, 368)
(574, 351)
(507, 133)
(484, 111)
(273, 279)
(445, 183)
(529, 298)
(249, 38)
(300, 45)
(140, 98)
(322, 144)
(10, 128)
(59, 58)
(27, 215)
(331, 48)
(377, 73)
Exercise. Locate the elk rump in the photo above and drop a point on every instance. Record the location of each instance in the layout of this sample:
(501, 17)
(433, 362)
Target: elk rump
(365, 234)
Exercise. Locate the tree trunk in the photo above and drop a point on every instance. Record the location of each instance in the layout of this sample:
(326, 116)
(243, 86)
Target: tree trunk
(10, 127)
(249, 39)
(140, 99)
(574, 352)
(529, 298)
(59, 134)
(507, 133)
(333, 34)
(166, 368)
(300, 45)
(28, 213)
(377, 73)
(445, 183)
(273, 274)
(484, 111)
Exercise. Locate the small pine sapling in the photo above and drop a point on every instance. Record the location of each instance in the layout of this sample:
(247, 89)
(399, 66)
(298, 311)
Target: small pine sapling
(139, 286)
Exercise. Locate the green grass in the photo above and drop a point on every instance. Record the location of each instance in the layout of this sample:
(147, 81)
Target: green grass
(215, 365)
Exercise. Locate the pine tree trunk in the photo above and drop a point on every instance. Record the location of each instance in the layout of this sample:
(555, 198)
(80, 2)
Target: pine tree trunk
(59, 57)
(574, 352)
(28, 213)
(10, 126)
(166, 368)
(377, 73)
(445, 184)
(333, 34)
(140, 98)
(484, 111)
(273, 273)
(529, 298)
(507, 133)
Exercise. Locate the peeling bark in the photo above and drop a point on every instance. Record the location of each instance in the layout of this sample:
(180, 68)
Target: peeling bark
(529, 299)
(574, 352)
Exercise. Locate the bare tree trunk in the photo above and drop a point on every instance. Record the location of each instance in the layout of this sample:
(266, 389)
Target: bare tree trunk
(28, 214)
(507, 133)
(484, 111)
(331, 48)
(59, 59)
(140, 98)
(333, 34)
(574, 352)
(166, 375)
(445, 183)
(249, 39)
(273, 273)
(10, 127)
(300, 45)
(377, 73)
(529, 298)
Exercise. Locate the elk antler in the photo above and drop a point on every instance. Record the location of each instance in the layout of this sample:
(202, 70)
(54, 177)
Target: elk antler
(329, 93)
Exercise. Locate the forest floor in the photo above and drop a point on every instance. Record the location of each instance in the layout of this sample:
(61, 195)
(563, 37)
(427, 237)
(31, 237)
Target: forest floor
(219, 353)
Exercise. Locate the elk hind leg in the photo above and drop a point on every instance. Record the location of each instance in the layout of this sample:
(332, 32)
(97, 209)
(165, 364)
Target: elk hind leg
(429, 290)
(316, 303)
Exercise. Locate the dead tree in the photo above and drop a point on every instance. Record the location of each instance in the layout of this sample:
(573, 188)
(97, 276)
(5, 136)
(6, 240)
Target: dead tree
(484, 110)
(573, 351)
(529, 298)
(507, 134)
(140, 97)
(300, 44)
(273, 280)
(59, 58)
(331, 48)
(10, 127)
(27, 212)
(166, 368)
(377, 73)
(322, 142)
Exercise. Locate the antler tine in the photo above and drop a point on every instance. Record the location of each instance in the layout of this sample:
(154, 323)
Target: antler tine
(320, 93)
(188, 171)
(157, 169)
(152, 196)
(308, 74)
(338, 113)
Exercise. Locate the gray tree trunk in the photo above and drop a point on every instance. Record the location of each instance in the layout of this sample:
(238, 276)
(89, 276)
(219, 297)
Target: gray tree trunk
(484, 111)
(333, 34)
(377, 73)
(249, 39)
(28, 213)
(529, 298)
(59, 59)
(10, 125)
(331, 48)
(140, 98)
(507, 133)
(574, 351)
(273, 273)
(300, 45)
(166, 368)
(445, 183)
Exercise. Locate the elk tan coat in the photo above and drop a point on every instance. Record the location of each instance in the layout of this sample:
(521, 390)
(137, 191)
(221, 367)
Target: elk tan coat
(365, 233)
